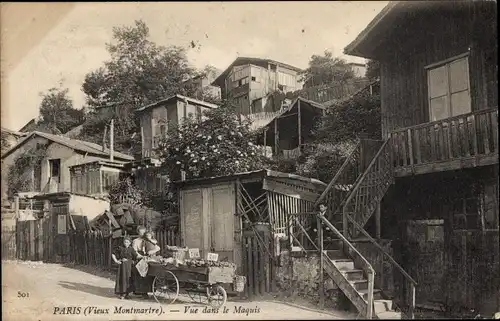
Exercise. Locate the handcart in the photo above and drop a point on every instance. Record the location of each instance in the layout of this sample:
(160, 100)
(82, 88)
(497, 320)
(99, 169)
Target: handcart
(204, 283)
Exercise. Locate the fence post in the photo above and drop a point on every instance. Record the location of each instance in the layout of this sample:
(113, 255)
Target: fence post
(321, 280)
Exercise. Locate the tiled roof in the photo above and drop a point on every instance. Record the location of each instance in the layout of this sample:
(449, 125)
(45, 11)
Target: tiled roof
(75, 144)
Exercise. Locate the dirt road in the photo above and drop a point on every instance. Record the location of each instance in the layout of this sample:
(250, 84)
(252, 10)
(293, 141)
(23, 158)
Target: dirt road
(32, 291)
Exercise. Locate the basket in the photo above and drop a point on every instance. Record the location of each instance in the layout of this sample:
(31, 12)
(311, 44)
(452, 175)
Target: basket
(239, 283)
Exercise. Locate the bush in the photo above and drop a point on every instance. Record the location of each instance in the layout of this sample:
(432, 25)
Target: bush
(220, 144)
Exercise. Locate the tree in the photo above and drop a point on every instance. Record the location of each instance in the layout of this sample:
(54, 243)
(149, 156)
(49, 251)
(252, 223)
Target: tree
(220, 144)
(57, 114)
(356, 116)
(327, 69)
(373, 69)
(139, 72)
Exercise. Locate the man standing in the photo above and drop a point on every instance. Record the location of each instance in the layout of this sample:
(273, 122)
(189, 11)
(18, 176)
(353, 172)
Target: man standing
(143, 285)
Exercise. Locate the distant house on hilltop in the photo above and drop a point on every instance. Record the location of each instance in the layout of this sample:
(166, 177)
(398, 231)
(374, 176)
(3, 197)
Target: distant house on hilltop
(248, 79)
(155, 118)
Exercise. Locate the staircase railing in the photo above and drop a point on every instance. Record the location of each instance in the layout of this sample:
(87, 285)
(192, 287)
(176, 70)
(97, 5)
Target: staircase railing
(393, 262)
(369, 189)
(342, 183)
(358, 258)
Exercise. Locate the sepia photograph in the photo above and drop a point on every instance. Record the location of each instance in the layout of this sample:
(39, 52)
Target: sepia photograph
(249, 160)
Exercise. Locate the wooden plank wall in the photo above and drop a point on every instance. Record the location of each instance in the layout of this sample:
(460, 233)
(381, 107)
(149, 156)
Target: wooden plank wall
(280, 206)
(259, 267)
(403, 77)
(8, 242)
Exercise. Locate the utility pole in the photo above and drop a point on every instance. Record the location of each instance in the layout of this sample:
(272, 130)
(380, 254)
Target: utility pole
(111, 139)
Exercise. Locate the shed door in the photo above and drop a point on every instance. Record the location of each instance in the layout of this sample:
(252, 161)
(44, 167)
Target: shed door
(192, 219)
(222, 219)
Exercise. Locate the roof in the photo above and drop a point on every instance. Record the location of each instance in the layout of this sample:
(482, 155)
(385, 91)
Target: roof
(249, 60)
(27, 125)
(178, 97)
(251, 174)
(387, 21)
(265, 122)
(102, 162)
(75, 144)
(356, 64)
(380, 18)
(13, 132)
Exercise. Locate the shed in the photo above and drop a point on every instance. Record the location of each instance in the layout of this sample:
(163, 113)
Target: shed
(216, 213)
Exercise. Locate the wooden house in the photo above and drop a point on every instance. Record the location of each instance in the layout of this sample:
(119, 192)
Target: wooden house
(432, 187)
(96, 177)
(51, 173)
(289, 130)
(239, 216)
(249, 79)
(155, 118)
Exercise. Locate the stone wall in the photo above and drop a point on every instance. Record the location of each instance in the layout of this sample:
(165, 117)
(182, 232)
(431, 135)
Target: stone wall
(298, 278)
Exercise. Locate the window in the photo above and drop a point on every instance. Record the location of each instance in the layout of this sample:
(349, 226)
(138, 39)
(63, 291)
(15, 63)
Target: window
(55, 169)
(449, 90)
(254, 78)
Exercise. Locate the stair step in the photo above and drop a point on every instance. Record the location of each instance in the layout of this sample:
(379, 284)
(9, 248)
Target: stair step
(389, 315)
(382, 305)
(335, 254)
(334, 244)
(377, 294)
(360, 284)
(344, 264)
(354, 274)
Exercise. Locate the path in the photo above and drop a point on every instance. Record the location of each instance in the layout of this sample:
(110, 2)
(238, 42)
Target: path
(34, 291)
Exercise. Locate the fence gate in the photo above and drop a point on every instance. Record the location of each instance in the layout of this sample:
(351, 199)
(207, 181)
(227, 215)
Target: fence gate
(259, 262)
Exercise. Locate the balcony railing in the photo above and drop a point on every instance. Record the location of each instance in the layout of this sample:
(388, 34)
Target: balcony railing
(467, 140)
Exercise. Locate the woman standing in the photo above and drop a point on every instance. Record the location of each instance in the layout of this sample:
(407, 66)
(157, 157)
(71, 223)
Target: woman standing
(142, 285)
(124, 256)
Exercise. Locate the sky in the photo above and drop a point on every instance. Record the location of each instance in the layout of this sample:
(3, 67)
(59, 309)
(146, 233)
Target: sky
(289, 32)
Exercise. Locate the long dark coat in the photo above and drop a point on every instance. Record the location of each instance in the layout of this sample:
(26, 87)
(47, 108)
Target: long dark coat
(124, 283)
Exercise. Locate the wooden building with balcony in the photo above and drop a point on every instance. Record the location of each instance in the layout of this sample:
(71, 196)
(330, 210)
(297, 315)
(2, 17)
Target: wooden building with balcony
(435, 177)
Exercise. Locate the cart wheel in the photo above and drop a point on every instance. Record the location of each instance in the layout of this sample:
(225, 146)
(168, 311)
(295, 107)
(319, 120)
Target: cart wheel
(216, 295)
(166, 288)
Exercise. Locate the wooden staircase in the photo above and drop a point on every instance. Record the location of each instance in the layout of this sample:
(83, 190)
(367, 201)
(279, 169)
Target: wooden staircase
(351, 198)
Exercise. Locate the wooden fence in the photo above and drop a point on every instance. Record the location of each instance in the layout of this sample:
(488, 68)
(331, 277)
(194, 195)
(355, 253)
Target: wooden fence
(259, 265)
(34, 241)
(8, 242)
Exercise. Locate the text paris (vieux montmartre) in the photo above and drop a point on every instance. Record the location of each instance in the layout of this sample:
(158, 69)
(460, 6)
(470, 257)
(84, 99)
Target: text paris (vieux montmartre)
(93, 310)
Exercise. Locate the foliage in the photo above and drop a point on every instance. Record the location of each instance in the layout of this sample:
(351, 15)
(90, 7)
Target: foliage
(57, 114)
(356, 116)
(373, 69)
(327, 69)
(220, 144)
(139, 72)
(124, 191)
(324, 160)
(20, 176)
